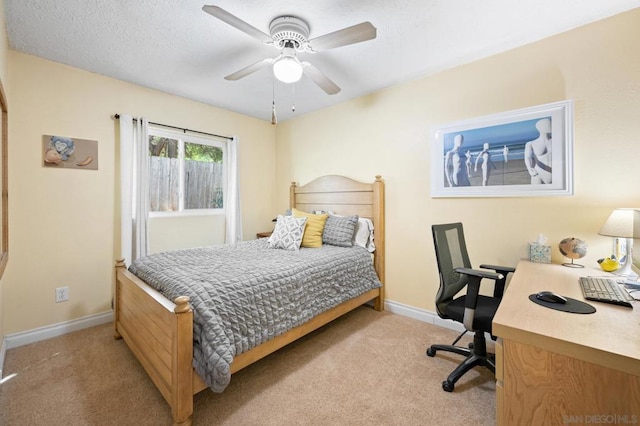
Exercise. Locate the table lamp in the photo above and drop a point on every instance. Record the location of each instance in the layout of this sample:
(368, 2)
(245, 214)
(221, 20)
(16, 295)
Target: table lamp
(623, 223)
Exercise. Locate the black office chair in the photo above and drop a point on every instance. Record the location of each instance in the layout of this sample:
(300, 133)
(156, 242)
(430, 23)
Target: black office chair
(473, 310)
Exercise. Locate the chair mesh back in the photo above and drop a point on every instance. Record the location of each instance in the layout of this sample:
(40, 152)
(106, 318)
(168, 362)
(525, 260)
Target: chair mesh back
(451, 253)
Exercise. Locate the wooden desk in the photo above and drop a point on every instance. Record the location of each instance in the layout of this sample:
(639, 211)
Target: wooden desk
(558, 368)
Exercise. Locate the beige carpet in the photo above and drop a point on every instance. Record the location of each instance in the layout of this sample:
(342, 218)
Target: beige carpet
(364, 368)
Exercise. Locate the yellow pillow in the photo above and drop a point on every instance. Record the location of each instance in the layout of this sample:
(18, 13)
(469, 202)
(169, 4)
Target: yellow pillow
(315, 226)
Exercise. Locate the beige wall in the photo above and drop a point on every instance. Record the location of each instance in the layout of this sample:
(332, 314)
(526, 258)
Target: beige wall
(65, 223)
(3, 79)
(388, 133)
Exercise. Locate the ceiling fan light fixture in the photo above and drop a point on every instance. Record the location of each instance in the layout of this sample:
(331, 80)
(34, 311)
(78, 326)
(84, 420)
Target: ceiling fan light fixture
(291, 34)
(287, 69)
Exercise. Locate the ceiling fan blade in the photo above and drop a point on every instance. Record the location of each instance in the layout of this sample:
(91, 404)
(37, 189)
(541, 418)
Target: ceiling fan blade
(250, 69)
(354, 34)
(320, 79)
(238, 23)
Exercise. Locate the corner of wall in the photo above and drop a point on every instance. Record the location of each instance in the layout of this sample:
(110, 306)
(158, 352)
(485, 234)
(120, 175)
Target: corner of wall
(4, 49)
(3, 350)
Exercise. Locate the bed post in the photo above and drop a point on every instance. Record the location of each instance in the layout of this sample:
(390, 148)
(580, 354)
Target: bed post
(120, 266)
(292, 195)
(182, 368)
(379, 233)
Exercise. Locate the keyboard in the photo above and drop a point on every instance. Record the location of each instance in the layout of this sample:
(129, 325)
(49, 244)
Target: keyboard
(604, 290)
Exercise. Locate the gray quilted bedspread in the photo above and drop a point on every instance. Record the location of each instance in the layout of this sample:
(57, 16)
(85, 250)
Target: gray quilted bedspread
(245, 294)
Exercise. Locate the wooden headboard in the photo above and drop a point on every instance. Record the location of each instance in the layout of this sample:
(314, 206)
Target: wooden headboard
(344, 196)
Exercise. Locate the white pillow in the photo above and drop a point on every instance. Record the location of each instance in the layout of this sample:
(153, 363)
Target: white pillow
(287, 233)
(363, 236)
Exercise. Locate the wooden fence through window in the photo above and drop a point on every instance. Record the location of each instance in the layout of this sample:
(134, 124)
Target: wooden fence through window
(202, 189)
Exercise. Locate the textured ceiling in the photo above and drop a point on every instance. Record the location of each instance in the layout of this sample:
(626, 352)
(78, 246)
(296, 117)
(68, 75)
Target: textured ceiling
(174, 47)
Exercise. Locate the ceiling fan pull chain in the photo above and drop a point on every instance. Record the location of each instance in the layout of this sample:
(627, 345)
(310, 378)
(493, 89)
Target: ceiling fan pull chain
(293, 102)
(274, 119)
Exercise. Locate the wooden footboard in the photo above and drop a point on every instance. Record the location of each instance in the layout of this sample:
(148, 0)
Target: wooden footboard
(160, 334)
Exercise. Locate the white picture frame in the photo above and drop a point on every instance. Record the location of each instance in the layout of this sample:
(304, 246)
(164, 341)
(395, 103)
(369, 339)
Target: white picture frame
(537, 161)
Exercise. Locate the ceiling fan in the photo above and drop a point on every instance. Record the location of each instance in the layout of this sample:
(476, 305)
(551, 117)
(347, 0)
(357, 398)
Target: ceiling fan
(291, 35)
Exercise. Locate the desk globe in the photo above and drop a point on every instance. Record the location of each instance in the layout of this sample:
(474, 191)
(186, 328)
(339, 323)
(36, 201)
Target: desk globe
(573, 248)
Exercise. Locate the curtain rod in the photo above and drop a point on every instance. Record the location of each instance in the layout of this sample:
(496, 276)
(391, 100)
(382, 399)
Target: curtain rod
(117, 116)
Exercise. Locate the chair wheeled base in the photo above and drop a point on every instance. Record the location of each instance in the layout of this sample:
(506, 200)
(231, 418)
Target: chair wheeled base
(476, 356)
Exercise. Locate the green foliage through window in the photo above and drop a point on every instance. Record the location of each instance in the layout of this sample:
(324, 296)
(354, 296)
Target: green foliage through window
(198, 152)
(163, 147)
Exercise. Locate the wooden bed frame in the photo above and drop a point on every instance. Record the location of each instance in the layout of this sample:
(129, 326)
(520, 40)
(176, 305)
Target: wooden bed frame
(160, 332)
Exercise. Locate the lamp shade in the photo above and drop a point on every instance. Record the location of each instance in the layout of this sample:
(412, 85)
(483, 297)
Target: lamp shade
(287, 69)
(622, 223)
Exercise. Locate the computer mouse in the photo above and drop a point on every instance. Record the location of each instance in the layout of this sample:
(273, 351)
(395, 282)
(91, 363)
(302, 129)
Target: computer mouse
(551, 297)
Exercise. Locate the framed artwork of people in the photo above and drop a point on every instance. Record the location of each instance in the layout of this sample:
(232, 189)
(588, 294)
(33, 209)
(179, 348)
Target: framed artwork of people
(521, 153)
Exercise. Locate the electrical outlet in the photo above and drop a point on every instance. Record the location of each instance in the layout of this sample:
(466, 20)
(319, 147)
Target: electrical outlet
(62, 294)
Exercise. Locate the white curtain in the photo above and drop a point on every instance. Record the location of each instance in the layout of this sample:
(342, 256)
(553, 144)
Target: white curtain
(134, 187)
(233, 214)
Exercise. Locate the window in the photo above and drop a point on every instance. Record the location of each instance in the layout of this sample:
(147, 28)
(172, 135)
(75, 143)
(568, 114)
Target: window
(186, 173)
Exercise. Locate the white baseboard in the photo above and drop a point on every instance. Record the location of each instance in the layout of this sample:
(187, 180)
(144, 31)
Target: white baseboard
(425, 316)
(421, 315)
(24, 338)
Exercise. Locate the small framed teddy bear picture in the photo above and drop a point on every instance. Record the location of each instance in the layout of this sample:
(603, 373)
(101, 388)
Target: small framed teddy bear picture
(69, 153)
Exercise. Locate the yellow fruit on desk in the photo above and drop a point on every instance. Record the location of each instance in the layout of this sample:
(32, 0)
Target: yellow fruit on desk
(609, 265)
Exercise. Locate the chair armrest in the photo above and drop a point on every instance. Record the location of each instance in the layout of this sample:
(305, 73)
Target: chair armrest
(501, 269)
(498, 290)
(479, 273)
(473, 289)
